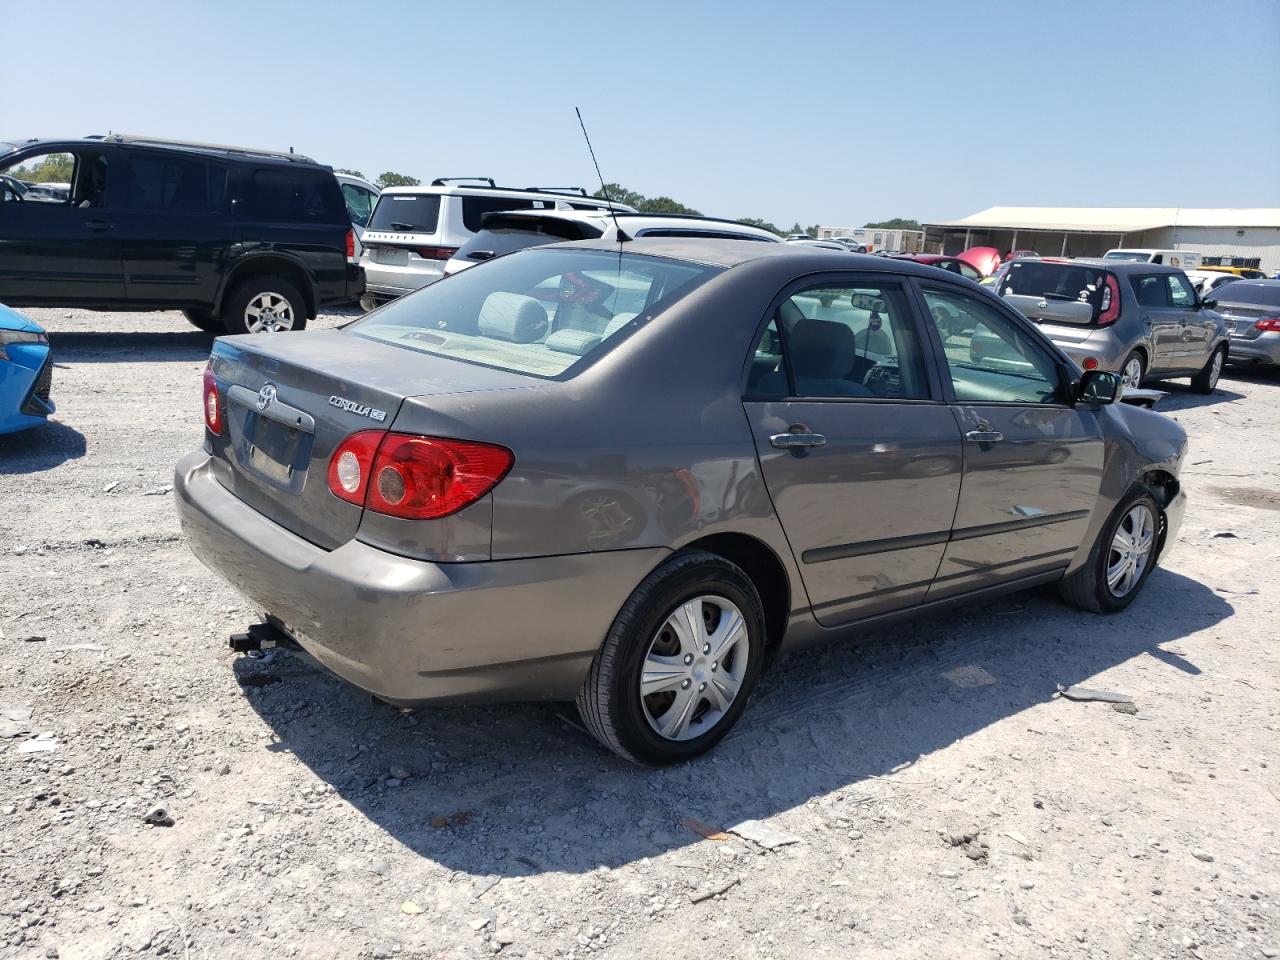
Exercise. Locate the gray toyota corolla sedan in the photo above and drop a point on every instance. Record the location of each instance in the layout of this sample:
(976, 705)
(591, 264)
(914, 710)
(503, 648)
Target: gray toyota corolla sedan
(631, 473)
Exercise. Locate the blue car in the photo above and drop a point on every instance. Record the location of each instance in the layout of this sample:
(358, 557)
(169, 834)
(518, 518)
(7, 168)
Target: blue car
(26, 372)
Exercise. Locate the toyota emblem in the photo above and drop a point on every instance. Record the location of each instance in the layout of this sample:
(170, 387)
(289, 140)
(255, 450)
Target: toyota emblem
(266, 396)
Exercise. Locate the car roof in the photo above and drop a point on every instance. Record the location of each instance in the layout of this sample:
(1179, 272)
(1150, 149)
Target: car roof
(715, 252)
(481, 190)
(1115, 266)
(222, 151)
(634, 220)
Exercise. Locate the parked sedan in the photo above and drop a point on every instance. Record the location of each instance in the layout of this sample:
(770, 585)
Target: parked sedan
(1251, 309)
(629, 476)
(26, 373)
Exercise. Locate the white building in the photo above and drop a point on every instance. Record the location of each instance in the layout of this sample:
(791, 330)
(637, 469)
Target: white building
(1091, 231)
(877, 238)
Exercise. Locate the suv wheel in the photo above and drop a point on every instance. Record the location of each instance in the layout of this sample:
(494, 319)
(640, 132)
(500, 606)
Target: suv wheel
(1122, 558)
(679, 663)
(204, 320)
(1133, 370)
(1206, 381)
(264, 304)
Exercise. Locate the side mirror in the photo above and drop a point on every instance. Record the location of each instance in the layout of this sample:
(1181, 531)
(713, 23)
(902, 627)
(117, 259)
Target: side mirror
(1098, 386)
(1208, 303)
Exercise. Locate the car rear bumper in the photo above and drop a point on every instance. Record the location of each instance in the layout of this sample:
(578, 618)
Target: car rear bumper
(410, 631)
(1262, 349)
(1106, 352)
(392, 281)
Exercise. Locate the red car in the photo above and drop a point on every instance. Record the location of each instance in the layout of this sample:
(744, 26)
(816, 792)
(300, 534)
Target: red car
(952, 264)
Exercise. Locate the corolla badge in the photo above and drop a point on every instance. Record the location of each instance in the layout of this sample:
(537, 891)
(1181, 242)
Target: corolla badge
(1042, 305)
(266, 396)
(359, 409)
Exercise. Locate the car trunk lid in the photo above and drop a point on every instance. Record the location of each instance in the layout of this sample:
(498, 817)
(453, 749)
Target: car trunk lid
(1241, 318)
(290, 400)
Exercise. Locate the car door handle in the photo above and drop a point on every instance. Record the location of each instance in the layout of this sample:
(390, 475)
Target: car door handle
(797, 441)
(984, 436)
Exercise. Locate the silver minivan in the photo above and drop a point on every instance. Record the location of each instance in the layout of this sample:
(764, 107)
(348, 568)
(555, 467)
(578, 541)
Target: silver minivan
(1141, 320)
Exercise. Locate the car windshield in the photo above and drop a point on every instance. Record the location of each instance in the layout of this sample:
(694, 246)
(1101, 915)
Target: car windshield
(509, 234)
(406, 213)
(1054, 281)
(1130, 256)
(1265, 294)
(539, 312)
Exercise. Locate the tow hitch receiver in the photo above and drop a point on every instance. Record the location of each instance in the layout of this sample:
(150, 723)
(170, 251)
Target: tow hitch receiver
(261, 636)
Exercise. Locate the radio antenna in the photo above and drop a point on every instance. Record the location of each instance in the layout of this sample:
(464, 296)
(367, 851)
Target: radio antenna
(622, 237)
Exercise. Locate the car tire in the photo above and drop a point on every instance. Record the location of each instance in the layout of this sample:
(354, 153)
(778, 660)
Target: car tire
(1090, 587)
(1206, 381)
(264, 303)
(204, 320)
(651, 629)
(1126, 369)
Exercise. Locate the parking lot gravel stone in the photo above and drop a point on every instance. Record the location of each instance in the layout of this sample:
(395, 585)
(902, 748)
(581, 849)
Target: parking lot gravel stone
(308, 821)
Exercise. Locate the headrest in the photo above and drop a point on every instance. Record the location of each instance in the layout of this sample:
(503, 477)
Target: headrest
(513, 317)
(577, 342)
(821, 349)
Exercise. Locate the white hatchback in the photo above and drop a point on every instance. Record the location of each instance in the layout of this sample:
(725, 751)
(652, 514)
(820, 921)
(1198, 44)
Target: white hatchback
(415, 230)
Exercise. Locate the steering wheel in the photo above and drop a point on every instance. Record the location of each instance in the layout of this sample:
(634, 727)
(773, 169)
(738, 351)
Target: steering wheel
(11, 190)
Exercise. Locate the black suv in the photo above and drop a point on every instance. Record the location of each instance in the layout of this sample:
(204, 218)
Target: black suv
(240, 240)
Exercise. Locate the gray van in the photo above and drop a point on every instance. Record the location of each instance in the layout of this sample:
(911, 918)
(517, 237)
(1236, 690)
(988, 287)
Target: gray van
(1142, 320)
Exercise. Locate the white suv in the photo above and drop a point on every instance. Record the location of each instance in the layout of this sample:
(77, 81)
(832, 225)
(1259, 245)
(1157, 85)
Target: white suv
(514, 230)
(415, 230)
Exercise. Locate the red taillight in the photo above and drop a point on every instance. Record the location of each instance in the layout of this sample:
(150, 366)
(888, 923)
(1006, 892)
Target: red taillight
(435, 253)
(212, 405)
(1268, 325)
(417, 478)
(1109, 311)
(351, 244)
(352, 464)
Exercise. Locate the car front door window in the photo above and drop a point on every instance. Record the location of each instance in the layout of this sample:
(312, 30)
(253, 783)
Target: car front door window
(999, 363)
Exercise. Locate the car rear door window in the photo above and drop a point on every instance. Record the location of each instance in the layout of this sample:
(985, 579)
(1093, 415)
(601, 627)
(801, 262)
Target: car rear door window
(171, 183)
(841, 341)
(474, 208)
(359, 203)
(1000, 363)
(294, 196)
(1150, 290)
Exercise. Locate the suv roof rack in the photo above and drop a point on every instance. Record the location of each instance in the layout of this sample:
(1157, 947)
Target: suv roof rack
(197, 145)
(441, 181)
(488, 183)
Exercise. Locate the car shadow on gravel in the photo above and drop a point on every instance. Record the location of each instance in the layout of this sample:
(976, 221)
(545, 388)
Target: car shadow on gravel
(519, 790)
(96, 347)
(1182, 397)
(40, 448)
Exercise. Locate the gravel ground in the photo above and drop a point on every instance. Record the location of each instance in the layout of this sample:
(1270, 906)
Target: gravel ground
(941, 802)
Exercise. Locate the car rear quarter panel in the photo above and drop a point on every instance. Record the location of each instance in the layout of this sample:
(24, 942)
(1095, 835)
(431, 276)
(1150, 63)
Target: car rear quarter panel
(649, 447)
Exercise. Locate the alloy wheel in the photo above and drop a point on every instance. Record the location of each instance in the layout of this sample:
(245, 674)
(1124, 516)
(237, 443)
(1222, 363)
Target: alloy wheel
(268, 313)
(1132, 373)
(1130, 552)
(1215, 370)
(694, 668)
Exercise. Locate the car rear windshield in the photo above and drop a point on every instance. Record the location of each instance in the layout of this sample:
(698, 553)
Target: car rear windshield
(508, 234)
(406, 213)
(548, 313)
(1127, 256)
(1055, 281)
(1266, 294)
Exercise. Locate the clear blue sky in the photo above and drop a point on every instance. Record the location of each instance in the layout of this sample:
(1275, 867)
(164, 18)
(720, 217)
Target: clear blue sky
(837, 113)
